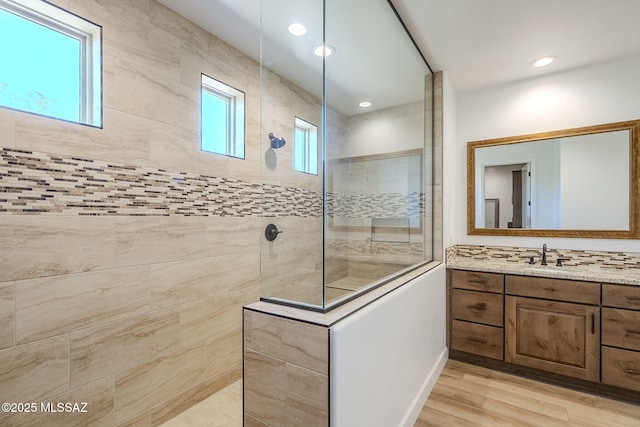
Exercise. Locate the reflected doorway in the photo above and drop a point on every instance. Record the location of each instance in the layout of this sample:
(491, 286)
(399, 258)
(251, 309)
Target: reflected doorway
(508, 187)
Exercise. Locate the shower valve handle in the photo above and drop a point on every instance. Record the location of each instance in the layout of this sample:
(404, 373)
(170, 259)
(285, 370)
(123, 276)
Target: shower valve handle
(271, 232)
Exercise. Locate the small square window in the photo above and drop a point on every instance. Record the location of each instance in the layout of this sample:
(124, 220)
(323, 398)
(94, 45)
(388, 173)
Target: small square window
(305, 147)
(51, 62)
(222, 119)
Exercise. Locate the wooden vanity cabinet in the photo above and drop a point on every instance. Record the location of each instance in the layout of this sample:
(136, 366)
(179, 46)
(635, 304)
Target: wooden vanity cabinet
(477, 313)
(546, 329)
(621, 336)
(566, 328)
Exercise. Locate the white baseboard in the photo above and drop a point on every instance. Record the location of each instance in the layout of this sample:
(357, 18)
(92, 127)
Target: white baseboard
(416, 406)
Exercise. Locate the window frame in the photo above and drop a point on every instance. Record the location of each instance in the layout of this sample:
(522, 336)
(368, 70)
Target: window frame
(310, 138)
(88, 33)
(235, 120)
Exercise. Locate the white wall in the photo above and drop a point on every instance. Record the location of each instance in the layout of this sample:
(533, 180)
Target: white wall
(386, 357)
(602, 93)
(595, 179)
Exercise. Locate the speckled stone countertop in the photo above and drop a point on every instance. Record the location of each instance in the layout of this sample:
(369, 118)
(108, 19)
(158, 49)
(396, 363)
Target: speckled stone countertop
(592, 266)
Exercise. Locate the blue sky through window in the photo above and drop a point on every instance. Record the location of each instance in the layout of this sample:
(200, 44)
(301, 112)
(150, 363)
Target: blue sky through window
(39, 68)
(214, 123)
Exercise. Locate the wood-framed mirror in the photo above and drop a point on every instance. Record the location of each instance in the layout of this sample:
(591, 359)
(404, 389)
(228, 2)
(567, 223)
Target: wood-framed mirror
(582, 182)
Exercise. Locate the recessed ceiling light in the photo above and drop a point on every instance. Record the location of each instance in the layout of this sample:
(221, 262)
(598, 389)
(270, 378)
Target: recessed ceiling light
(323, 50)
(541, 62)
(365, 104)
(297, 29)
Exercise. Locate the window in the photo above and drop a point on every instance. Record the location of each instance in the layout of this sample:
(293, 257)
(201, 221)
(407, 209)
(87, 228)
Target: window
(50, 62)
(222, 118)
(305, 142)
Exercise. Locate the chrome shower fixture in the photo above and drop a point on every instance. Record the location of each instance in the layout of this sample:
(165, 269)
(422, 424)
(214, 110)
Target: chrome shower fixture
(276, 142)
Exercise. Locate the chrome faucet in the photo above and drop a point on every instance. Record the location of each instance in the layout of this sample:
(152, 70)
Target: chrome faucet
(544, 254)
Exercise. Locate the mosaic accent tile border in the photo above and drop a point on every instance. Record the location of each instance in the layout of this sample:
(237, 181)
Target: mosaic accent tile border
(387, 205)
(41, 183)
(583, 258)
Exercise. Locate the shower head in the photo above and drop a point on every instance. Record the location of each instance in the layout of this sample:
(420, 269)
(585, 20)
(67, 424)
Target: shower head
(276, 142)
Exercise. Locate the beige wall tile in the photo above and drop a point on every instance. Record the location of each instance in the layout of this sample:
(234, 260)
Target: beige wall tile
(122, 139)
(299, 343)
(307, 397)
(38, 246)
(247, 327)
(146, 240)
(224, 354)
(291, 265)
(211, 318)
(54, 305)
(190, 35)
(253, 293)
(148, 94)
(36, 371)
(169, 409)
(265, 388)
(7, 312)
(163, 62)
(61, 3)
(7, 128)
(98, 412)
(233, 235)
(187, 281)
(108, 68)
(128, 22)
(178, 149)
(145, 386)
(113, 347)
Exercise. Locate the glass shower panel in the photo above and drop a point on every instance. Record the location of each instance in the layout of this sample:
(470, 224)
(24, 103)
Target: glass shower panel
(376, 193)
(365, 217)
(291, 92)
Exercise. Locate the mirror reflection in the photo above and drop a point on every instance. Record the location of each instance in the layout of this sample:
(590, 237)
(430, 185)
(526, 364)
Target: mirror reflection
(578, 180)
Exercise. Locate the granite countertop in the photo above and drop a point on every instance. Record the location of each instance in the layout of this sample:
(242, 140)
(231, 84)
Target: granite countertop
(626, 276)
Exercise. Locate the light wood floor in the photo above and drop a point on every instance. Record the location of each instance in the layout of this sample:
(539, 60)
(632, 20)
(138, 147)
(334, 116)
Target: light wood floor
(466, 395)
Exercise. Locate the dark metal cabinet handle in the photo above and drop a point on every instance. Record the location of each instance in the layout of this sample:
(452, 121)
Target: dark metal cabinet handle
(632, 372)
(633, 300)
(593, 324)
(478, 306)
(477, 340)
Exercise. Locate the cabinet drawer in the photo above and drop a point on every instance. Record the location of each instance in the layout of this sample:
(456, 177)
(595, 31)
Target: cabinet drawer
(621, 368)
(477, 307)
(477, 339)
(621, 328)
(621, 296)
(554, 289)
(477, 281)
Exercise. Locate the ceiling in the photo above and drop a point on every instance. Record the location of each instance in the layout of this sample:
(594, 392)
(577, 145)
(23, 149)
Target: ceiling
(478, 43)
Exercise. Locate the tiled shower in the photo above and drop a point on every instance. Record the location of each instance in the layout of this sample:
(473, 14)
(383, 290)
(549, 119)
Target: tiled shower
(127, 252)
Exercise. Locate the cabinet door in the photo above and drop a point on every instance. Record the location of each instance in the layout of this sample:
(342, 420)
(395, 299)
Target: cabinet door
(558, 337)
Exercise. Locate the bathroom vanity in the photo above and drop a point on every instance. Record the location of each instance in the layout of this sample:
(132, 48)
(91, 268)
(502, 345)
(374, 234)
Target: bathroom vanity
(575, 325)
